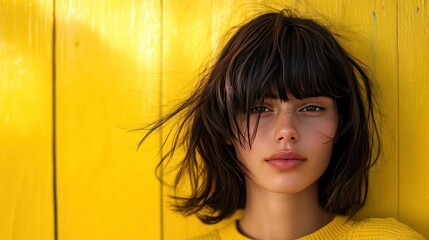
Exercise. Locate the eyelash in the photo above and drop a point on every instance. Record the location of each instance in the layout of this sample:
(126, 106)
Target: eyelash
(260, 109)
(314, 107)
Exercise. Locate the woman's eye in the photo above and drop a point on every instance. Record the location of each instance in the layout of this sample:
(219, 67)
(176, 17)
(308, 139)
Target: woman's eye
(260, 109)
(312, 108)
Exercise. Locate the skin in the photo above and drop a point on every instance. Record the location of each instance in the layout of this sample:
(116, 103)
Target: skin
(283, 203)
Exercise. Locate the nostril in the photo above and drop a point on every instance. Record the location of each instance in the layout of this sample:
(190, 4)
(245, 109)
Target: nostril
(292, 138)
(287, 138)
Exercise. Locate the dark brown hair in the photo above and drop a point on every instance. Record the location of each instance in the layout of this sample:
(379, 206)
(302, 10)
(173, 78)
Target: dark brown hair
(282, 55)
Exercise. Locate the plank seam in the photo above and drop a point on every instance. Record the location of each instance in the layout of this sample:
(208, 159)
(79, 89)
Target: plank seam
(54, 123)
(161, 65)
(398, 114)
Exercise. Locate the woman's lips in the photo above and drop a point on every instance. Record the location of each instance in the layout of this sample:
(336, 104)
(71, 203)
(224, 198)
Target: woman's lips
(285, 160)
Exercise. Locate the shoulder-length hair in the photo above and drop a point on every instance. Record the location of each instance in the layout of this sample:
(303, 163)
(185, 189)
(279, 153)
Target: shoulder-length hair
(275, 54)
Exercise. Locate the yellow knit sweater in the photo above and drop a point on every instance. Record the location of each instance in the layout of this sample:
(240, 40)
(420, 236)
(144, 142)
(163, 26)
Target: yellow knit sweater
(339, 228)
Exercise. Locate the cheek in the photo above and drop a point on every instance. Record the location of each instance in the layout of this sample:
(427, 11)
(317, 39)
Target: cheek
(320, 133)
(321, 139)
(323, 129)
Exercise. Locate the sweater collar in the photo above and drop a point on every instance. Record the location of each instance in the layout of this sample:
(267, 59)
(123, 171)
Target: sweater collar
(332, 230)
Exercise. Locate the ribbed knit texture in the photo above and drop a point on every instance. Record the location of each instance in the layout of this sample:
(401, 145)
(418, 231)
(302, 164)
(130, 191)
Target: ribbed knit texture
(339, 228)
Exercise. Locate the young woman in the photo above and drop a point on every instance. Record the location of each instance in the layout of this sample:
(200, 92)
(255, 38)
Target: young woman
(281, 126)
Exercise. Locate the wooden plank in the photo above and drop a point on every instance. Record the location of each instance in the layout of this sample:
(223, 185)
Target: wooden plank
(26, 186)
(383, 63)
(107, 84)
(413, 111)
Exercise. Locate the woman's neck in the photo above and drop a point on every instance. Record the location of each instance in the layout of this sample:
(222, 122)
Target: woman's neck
(269, 215)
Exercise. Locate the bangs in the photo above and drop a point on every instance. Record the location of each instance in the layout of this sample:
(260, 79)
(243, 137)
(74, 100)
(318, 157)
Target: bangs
(286, 58)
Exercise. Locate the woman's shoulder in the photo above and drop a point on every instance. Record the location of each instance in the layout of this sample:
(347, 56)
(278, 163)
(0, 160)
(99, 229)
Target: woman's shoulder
(383, 228)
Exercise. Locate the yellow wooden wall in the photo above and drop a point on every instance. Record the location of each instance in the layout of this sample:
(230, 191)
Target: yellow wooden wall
(76, 76)
(26, 157)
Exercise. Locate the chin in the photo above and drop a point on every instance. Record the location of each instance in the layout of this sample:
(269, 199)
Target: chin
(292, 187)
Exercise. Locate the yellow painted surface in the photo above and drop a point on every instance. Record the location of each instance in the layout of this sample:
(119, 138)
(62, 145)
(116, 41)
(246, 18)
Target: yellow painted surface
(108, 71)
(413, 113)
(120, 64)
(26, 201)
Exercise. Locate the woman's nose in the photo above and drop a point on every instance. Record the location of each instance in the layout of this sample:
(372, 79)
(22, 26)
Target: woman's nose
(286, 128)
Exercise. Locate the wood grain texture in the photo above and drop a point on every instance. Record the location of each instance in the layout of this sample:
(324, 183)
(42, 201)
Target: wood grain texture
(381, 57)
(108, 80)
(26, 185)
(413, 113)
(121, 64)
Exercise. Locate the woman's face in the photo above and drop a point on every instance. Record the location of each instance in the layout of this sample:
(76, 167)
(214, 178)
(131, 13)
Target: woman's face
(293, 143)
